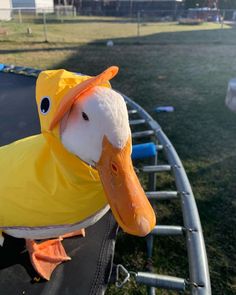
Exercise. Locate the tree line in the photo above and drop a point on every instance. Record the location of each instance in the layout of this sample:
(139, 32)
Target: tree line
(220, 4)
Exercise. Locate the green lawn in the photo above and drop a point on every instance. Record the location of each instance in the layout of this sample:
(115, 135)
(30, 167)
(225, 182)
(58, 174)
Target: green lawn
(192, 76)
(93, 29)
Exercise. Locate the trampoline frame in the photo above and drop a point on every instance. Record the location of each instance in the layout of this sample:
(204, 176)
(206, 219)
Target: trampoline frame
(199, 279)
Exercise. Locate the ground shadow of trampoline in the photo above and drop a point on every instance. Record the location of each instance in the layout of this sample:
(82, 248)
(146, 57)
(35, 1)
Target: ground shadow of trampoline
(211, 209)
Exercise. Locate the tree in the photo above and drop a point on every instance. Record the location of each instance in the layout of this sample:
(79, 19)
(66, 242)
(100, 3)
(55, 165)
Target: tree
(196, 3)
(227, 4)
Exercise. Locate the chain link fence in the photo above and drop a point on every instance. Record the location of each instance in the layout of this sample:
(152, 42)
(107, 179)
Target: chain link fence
(63, 24)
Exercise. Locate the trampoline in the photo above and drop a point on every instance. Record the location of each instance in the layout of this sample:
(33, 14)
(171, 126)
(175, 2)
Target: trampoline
(92, 257)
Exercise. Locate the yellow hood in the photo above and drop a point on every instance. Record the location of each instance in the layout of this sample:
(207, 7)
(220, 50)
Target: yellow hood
(61, 88)
(43, 184)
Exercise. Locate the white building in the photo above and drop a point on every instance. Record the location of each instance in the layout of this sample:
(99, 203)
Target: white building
(5, 9)
(38, 5)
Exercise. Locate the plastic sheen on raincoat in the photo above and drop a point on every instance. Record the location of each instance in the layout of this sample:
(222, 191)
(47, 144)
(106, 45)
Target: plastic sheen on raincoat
(41, 183)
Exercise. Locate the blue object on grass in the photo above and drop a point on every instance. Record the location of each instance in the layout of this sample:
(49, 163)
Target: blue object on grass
(144, 150)
(2, 66)
(166, 109)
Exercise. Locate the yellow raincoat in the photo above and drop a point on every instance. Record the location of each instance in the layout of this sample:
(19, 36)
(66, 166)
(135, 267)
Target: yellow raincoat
(41, 183)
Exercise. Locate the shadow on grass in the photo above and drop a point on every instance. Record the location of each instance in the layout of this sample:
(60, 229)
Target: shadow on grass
(217, 209)
(201, 128)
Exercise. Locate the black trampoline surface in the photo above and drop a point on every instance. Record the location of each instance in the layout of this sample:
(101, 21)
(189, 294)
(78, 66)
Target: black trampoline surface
(89, 270)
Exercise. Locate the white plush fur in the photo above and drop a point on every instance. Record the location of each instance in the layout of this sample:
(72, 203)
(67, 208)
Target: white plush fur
(231, 95)
(107, 113)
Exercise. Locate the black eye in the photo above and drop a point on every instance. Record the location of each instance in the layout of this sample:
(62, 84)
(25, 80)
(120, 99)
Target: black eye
(85, 117)
(45, 105)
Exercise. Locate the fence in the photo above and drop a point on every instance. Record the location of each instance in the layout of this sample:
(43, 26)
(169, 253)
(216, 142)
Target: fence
(65, 25)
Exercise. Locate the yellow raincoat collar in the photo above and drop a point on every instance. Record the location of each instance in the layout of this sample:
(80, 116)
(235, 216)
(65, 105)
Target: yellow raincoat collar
(68, 162)
(45, 185)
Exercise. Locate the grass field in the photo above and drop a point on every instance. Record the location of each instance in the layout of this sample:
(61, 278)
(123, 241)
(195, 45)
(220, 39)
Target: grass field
(192, 76)
(99, 29)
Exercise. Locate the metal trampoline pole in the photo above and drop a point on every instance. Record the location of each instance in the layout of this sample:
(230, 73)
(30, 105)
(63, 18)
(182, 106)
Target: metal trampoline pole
(198, 264)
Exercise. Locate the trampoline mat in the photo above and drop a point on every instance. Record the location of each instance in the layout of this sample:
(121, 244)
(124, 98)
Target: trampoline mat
(89, 270)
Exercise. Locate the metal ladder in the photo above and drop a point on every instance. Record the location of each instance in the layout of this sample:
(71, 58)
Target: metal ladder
(199, 279)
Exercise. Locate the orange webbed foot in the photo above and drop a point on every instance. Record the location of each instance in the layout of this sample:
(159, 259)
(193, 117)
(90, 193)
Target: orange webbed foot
(46, 256)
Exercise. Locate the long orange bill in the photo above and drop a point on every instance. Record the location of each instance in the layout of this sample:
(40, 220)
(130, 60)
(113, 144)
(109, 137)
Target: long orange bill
(124, 193)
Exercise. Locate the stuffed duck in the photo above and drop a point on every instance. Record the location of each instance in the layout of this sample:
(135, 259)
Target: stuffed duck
(66, 178)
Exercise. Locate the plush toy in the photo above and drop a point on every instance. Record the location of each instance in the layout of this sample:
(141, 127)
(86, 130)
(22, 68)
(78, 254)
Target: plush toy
(60, 181)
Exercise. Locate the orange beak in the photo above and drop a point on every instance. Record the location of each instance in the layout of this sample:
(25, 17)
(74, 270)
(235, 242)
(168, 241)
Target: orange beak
(124, 193)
